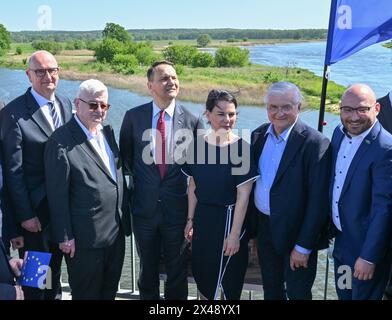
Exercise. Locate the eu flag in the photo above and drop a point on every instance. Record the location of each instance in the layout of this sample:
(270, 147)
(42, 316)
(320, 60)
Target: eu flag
(357, 24)
(35, 269)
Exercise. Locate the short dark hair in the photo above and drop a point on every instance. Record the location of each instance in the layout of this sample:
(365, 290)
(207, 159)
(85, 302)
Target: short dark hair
(151, 70)
(214, 96)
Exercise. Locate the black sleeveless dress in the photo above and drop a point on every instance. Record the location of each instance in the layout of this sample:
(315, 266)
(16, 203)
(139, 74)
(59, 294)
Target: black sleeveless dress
(218, 172)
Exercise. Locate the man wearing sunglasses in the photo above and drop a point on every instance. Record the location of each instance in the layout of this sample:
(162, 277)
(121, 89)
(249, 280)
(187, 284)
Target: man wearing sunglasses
(26, 124)
(85, 191)
(361, 197)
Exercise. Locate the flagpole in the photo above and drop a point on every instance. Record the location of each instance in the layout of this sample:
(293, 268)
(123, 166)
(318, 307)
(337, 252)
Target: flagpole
(323, 98)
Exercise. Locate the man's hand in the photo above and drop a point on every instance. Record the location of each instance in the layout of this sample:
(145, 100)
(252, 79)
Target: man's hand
(17, 243)
(363, 270)
(68, 247)
(16, 266)
(32, 225)
(298, 260)
(19, 293)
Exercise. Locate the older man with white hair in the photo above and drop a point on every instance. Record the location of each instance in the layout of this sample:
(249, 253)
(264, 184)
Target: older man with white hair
(291, 197)
(85, 188)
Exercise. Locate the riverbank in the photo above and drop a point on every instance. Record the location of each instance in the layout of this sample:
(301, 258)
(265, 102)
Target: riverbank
(249, 83)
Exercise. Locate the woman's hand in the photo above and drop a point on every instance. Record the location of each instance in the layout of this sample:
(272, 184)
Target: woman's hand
(188, 231)
(231, 245)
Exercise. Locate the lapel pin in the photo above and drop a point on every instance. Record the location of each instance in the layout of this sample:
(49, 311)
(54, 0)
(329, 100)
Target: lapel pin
(367, 141)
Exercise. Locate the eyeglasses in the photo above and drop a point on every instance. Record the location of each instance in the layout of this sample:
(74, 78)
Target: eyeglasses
(94, 105)
(40, 73)
(359, 110)
(287, 108)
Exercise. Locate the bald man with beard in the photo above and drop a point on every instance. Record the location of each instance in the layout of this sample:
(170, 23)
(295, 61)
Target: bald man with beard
(361, 197)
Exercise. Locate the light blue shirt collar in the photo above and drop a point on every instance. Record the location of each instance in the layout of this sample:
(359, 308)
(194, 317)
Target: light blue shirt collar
(284, 135)
(169, 110)
(42, 101)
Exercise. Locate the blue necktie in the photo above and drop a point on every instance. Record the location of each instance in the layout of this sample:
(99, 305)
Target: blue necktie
(54, 114)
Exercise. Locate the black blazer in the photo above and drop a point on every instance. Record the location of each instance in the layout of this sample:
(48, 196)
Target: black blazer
(7, 290)
(385, 115)
(299, 193)
(148, 189)
(24, 132)
(85, 202)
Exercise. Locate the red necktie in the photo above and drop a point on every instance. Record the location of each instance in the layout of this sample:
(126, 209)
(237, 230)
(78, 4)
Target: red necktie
(160, 144)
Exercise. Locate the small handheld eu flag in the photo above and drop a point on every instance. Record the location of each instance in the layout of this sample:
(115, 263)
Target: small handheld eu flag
(35, 269)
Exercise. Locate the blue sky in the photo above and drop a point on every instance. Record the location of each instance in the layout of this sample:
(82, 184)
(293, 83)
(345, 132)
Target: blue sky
(19, 15)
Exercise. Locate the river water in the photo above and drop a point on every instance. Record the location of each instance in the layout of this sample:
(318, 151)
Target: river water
(371, 65)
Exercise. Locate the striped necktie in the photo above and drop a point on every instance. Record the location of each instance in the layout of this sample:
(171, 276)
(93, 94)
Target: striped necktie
(54, 114)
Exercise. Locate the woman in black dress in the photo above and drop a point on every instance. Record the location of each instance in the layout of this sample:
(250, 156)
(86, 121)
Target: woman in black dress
(221, 171)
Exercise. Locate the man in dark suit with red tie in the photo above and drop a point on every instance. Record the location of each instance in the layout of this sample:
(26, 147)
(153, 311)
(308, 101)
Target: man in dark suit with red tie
(148, 139)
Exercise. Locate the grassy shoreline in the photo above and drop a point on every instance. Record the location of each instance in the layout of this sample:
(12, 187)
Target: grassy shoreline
(249, 83)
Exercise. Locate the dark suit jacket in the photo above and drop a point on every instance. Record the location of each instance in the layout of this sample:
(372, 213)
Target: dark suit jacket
(7, 290)
(85, 202)
(24, 132)
(148, 189)
(365, 204)
(299, 193)
(385, 115)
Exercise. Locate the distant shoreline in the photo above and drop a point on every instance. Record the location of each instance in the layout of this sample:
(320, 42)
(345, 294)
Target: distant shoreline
(249, 83)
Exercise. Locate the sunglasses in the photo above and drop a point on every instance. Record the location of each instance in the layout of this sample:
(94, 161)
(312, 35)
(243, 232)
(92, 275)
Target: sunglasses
(93, 105)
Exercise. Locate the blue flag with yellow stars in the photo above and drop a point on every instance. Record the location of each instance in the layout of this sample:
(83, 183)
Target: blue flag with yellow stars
(35, 269)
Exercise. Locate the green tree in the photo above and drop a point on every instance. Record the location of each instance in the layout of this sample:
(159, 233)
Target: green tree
(115, 31)
(202, 60)
(180, 54)
(231, 57)
(203, 40)
(125, 63)
(51, 46)
(107, 49)
(5, 39)
(146, 56)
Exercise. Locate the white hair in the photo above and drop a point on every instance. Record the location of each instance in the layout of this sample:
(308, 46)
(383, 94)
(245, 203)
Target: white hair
(281, 88)
(91, 87)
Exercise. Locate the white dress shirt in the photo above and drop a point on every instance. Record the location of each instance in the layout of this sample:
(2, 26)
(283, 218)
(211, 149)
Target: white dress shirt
(43, 104)
(347, 151)
(101, 146)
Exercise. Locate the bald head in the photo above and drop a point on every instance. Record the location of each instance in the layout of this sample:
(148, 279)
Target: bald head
(43, 73)
(40, 57)
(360, 91)
(358, 109)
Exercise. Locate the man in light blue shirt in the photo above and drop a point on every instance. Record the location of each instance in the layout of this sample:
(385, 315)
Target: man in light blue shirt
(291, 197)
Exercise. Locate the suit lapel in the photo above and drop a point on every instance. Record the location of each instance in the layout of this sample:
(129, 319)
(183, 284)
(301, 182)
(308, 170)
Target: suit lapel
(37, 115)
(81, 138)
(363, 148)
(336, 142)
(66, 113)
(146, 124)
(294, 143)
(178, 124)
(109, 135)
(258, 142)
